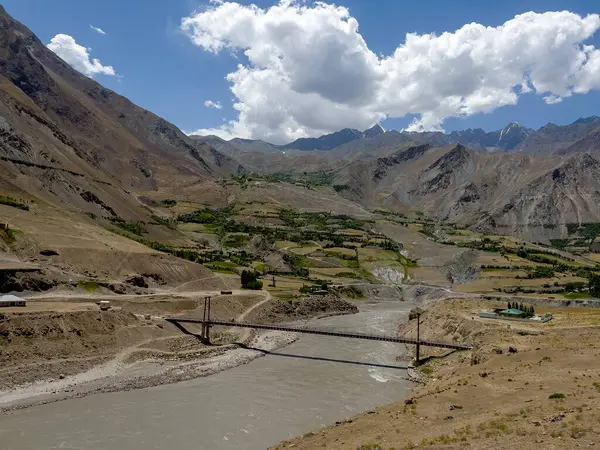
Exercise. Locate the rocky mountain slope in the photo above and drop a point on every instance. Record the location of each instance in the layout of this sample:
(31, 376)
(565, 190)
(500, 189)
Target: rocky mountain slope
(525, 195)
(580, 136)
(70, 141)
(68, 146)
(71, 144)
(542, 181)
(333, 140)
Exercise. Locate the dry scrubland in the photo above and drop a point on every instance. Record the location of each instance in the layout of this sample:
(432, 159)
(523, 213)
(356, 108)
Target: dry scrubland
(545, 395)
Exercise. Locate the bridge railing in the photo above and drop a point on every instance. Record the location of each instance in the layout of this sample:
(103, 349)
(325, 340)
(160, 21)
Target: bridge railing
(316, 331)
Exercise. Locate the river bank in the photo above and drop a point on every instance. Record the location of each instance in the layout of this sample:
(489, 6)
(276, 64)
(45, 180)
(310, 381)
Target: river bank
(523, 386)
(324, 379)
(148, 364)
(143, 374)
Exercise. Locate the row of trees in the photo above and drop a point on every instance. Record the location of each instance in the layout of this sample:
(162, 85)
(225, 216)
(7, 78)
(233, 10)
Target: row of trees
(528, 310)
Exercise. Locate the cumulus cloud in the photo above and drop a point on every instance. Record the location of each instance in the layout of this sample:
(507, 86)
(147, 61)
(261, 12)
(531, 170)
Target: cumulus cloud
(97, 29)
(552, 99)
(308, 69)
(78, 56)
(211, 104)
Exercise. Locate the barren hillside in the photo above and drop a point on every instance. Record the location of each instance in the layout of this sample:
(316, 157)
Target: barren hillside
(69, 140)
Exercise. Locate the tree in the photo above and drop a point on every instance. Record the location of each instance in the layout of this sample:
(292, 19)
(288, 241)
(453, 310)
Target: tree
(244, 279)
(250, 280)
(338, 241)
(429, 229)
(594, 285)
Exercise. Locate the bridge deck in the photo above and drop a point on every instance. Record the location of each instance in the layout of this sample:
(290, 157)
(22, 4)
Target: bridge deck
(368, 336)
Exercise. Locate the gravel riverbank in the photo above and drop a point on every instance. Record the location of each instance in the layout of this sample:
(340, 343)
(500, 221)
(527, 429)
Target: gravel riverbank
(112, 378)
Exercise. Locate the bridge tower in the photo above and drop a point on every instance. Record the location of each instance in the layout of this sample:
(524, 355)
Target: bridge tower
(205, 335)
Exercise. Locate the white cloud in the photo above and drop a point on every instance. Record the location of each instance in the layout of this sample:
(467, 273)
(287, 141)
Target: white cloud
(78, 56)
(552, 99)
(211, 104)
(97, 29)
(309, 70)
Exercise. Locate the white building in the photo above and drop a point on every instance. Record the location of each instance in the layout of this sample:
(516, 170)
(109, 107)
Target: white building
(11, 300)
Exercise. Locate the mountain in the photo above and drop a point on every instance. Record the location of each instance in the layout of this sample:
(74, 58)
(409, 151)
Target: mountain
(567, 193)
(65, 137)
(583, 135)
(325, 142)
(527, 195)
(512, 136)
(374, 131)
(475, 138)
(260, 156)
(568, 139)
(82, 167)
(333, 140)
(506, 139)
(580, 136)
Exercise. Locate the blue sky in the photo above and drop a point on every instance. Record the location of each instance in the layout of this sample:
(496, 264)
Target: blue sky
(161, 69)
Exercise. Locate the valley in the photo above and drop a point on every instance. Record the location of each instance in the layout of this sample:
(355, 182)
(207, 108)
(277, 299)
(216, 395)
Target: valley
(113, 220)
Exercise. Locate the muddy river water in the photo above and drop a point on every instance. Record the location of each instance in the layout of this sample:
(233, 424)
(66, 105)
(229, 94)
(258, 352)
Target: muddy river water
(313, 382)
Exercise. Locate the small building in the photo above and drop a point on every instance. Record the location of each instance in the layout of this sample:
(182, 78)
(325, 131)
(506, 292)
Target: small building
(11, 300)
(104, 305)
(595, 247)
(512, 312)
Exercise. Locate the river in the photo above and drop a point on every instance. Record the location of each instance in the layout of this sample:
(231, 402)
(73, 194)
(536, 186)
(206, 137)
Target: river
(314, 382)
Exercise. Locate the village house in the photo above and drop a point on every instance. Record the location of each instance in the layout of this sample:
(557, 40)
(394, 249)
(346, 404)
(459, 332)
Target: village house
(11, 300)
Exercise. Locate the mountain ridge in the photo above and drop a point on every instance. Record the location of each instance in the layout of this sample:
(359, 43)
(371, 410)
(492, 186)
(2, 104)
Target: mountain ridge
(514, 137)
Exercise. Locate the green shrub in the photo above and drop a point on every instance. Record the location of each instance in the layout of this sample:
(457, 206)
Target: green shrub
(235, 240)
(541, 272)
(90, 286)
(8, 236)
(340, 187)
(206, 215)
(250, 280)
(353, 292)
(9, 201)
(560, 244)
(133, 226)
(157, 220)
(427, 370)
(256, 285)
(557, 396)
